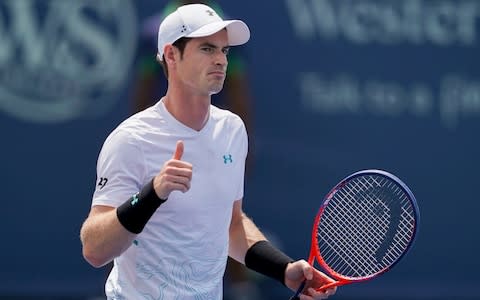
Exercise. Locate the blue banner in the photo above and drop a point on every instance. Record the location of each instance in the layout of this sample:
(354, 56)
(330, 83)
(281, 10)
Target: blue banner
(336, 86)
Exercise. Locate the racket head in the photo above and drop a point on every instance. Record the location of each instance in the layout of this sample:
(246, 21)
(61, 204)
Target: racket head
(365, 225)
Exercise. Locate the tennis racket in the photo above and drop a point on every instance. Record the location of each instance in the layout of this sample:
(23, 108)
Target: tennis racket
(364, 226)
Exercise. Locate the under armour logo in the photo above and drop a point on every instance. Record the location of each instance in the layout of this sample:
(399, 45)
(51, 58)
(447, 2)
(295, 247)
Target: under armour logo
(227, 159)
(134, 199)
(210, 12)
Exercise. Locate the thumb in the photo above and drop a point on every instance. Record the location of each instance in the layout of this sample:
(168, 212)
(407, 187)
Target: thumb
(307, 271)
(178, 151)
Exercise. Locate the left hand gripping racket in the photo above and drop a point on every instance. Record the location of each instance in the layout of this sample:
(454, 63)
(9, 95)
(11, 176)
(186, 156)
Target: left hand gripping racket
(364, 226)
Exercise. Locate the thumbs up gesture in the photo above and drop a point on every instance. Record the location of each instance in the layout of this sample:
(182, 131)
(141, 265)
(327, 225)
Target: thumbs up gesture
(175, 174)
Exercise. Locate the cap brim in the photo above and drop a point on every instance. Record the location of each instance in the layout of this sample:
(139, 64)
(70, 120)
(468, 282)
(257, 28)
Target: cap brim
(238, 32)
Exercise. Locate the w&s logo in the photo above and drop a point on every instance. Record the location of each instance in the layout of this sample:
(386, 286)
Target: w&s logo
(61, 60)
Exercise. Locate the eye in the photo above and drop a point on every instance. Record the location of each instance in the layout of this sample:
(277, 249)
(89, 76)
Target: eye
(207, 49)
(225, 51)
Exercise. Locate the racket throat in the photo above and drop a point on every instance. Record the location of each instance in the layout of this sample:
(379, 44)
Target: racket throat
(331, 285)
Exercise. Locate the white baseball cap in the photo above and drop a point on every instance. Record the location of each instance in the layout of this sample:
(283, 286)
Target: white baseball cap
(197, 20)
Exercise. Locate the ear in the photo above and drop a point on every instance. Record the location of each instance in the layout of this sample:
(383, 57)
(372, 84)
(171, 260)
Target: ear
(169, 54)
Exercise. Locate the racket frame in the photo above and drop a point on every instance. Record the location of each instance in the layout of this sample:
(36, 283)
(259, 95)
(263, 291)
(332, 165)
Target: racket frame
(314, 248)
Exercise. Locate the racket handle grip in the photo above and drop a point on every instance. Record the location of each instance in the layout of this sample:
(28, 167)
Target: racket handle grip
(299, 290)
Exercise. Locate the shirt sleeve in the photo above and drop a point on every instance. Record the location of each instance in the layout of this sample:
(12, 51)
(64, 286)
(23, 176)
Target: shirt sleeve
(120, 170)
(242, 135)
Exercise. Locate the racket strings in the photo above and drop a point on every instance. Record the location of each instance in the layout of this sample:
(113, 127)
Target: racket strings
(372, 229)
(360, 249)
(405, 231)
(356, 233)
(365, 212)
(343, 258)
(357, 222)
(346, 259)
(407, 210)
(396, 192)
(383, 196)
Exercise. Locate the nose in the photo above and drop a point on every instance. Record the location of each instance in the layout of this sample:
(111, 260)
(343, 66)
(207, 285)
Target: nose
(221, 59)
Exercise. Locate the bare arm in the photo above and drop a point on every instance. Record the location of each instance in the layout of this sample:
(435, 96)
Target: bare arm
(103, 237)
(243, 233)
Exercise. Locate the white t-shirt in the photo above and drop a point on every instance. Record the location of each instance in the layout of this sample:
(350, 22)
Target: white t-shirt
(181, 253)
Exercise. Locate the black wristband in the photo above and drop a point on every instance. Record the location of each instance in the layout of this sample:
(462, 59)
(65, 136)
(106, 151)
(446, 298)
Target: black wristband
(136, 211)
(264, 258)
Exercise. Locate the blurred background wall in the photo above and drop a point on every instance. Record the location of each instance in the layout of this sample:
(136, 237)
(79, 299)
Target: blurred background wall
(337, 86)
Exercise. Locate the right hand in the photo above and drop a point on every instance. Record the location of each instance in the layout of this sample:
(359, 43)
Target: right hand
(175, 175)
(299, 271)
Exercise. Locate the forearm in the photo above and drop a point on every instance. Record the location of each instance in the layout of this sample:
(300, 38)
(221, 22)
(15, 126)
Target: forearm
(109, 231)
(250, 247)
(243, 234)
(103, 237)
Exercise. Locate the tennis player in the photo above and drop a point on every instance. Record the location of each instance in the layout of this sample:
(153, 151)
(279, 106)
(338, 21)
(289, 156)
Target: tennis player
(167, 208)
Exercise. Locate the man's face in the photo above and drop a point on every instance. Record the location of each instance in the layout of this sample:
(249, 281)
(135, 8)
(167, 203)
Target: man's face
(204, 64)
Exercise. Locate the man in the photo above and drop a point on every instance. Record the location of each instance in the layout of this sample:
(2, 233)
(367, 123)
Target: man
(149, 85)
(183, 161)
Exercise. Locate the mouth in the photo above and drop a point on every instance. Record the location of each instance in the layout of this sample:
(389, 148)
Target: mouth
(217, 73)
